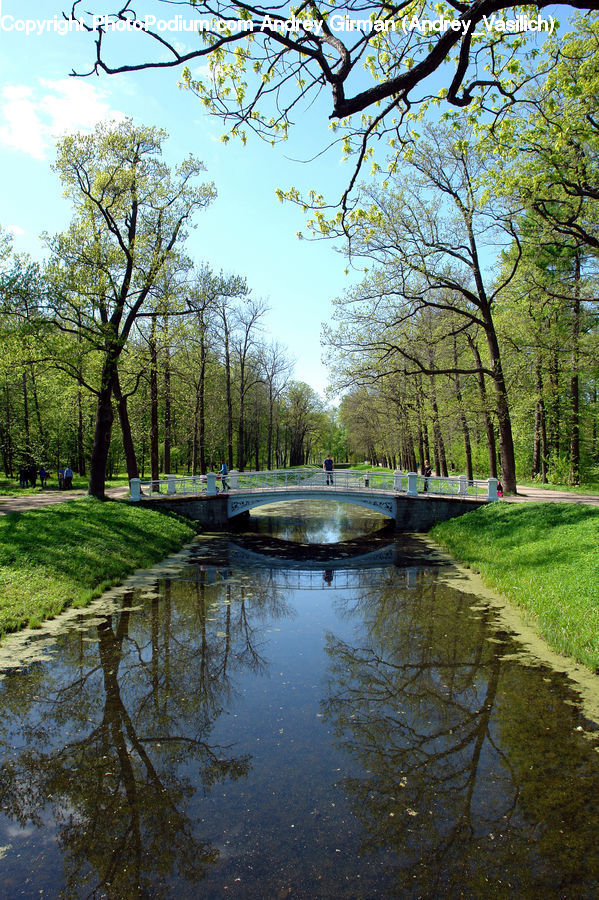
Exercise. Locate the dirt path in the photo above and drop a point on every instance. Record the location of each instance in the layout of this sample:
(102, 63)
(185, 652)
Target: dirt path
(48, 498)
(541, 494)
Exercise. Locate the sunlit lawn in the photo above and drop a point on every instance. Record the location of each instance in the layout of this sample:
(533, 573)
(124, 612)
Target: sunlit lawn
(64, 555)
(544, 557)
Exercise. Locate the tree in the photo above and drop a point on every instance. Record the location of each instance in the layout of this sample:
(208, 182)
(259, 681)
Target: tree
(429, 281)
(247, 375)
(276, 371)
(380, 60)
(130, 213)
(304, 419)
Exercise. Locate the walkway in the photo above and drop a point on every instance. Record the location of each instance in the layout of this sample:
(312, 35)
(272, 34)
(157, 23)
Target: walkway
(49, 498)
(543, 495)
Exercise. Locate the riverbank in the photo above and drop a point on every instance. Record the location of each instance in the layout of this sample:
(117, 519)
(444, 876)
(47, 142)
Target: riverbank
(544, 559)
(65, 555)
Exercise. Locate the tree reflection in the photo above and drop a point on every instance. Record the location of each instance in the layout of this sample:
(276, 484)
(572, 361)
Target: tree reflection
(456, 792)
(115, 743)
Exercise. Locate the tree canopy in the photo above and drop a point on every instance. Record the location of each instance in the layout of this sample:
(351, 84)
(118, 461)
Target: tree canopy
(385, 62)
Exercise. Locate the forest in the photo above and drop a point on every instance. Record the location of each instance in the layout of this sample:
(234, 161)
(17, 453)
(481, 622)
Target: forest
(470, 339)
(120, 326)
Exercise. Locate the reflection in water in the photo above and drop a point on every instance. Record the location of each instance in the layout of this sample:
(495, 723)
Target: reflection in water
(258, 728)
(472, 771)
(313, 522)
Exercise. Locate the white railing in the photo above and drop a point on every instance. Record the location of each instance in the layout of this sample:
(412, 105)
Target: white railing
(343, 480)
(458, 486)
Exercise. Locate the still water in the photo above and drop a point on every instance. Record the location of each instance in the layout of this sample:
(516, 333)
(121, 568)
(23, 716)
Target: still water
(267, 717)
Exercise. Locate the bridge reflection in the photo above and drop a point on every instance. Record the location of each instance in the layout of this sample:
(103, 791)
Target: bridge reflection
(314, 566)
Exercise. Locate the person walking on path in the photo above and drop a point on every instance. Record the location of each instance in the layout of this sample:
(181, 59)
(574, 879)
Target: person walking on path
(328, 468)
(68, 478)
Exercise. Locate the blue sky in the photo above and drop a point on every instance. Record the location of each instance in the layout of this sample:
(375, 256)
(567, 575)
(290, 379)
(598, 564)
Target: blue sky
(246, 231)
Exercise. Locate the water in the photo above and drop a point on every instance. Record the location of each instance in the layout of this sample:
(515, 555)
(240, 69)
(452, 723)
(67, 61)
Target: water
(310, 728)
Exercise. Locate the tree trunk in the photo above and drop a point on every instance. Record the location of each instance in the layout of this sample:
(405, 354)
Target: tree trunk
(38, 413)
(80, 447)
(462, 414)
(194, 437)
(539, 462)
(103, 429)
(202, 400)
(439, 446)
(270, 427)
(574, 380)
(506, 442)
(154, 449)
(554, 404)
(229, 400)
(128, 447)
(490, 431)
(168, 437)
(8, 444)
(26, 417)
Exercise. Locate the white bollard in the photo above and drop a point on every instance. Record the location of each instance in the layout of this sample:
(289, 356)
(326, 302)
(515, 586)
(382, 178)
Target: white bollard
(412, 484)
(233, 479)
(170, 484)
(211, 484)
(492, 494)
(397, 481)
(463, 485)
(135, 490)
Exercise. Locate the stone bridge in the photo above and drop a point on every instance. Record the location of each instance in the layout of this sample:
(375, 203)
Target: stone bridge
(413, 502)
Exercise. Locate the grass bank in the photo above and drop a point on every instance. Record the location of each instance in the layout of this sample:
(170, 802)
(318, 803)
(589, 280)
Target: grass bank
(544, 558)
(64, 555)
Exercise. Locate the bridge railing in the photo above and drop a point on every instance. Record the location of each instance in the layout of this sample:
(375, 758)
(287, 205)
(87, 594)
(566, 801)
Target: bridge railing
(340, 480)
(168, 485)
(456, 486)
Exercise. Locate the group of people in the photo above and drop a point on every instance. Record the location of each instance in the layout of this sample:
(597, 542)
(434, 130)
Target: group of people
(28, 476)
(65, 478)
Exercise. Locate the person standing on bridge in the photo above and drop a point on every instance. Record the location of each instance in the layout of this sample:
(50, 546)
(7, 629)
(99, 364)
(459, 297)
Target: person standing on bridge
(427, 472)
(328, 468)
(223, 472)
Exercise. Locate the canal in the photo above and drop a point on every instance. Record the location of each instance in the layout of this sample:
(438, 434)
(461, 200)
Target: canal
(308, 707)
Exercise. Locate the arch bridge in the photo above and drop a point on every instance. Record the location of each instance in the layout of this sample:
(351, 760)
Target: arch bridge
(414, 502)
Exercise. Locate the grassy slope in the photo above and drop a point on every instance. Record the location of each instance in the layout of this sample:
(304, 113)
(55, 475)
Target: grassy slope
(66, 554)
(544, 557)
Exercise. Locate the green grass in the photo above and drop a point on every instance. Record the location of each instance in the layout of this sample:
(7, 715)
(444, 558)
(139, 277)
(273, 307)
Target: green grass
(67, 554)
(544, 558)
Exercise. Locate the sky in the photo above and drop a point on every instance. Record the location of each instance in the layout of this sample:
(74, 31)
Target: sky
(246, 231)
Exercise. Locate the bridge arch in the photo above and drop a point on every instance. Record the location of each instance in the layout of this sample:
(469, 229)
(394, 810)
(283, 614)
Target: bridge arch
(237, 504)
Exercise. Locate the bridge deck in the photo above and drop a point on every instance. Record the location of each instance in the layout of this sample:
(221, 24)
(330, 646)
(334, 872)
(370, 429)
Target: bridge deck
(314, 481)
